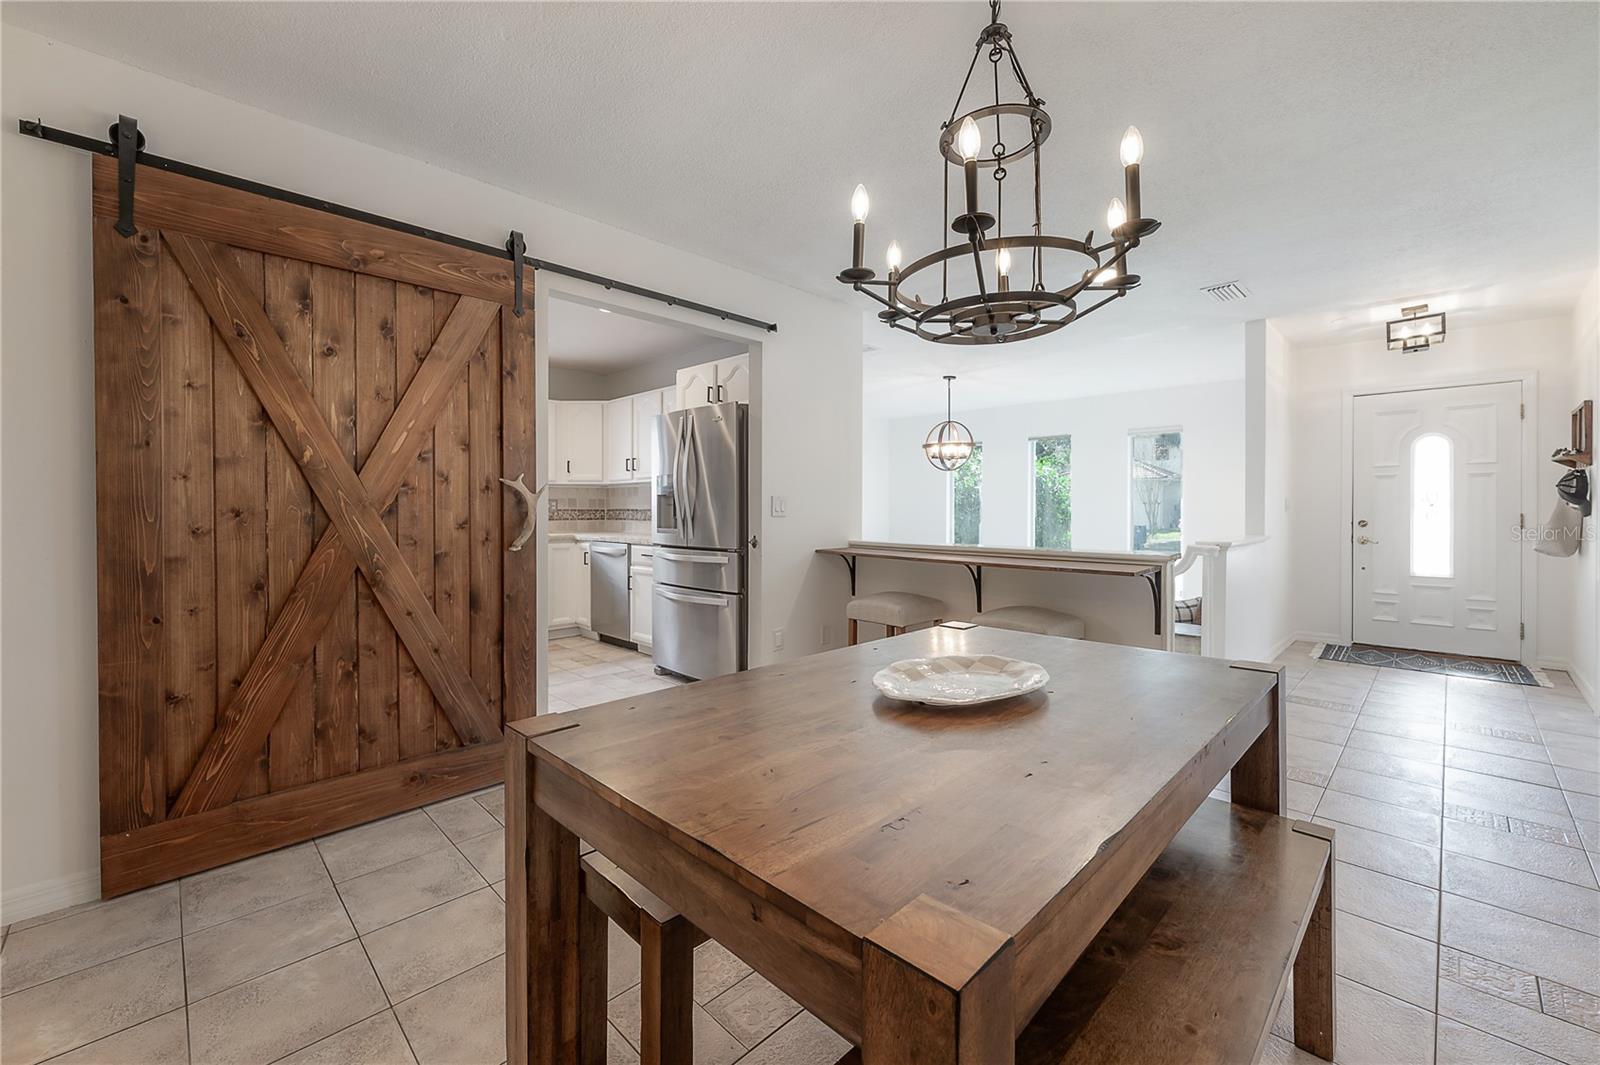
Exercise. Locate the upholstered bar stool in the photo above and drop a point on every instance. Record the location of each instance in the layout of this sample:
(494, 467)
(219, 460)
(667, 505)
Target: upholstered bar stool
(1032, 619)
(895, 611)
(666, 964)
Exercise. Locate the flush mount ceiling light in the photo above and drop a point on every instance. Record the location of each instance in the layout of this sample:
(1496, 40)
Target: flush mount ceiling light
(995, 312)
(1416, 329)
(949, 444)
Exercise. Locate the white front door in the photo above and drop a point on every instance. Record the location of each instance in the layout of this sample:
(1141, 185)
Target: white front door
(1437, 562)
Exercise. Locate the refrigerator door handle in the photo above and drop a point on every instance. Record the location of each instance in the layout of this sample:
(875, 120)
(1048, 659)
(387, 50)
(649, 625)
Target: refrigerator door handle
(708, 559)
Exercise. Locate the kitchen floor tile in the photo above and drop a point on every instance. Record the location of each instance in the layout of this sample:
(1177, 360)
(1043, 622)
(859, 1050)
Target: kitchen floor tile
(1389, 765)
(1371, 1028)
(162, 1040)
(461, 1021)
(1391, 790)
(428, 948)
(803, 1041)
(1527, 943)
(1386, 899)
(1414, 825)
(1399, 746)
(101, 933)
(285, 1010)
(753, 1009)
(493, 800)
(1460, 1045)
(1499, 765)
(713, 1045)
(1516, 1024)
(70, 1011)
(1384, 959)
(234, 890)
(1398, 857)
(715, 970)
(1519, 852)
(462, 818)
(361, 850)
(375, 1041)
(1555, 901)
(397, 891)
(223, 955)
(487, 853)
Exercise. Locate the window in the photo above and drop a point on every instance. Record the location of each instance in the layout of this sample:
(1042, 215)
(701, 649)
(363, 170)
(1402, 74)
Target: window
(966, 500)
(1052, 492)
(1432, 531)
(1157, 483)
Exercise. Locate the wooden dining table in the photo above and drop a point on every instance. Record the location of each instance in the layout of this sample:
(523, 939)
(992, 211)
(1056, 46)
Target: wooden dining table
(919, 878)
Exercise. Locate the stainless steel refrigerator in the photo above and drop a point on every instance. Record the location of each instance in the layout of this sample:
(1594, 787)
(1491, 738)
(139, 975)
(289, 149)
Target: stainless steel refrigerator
(701, 520)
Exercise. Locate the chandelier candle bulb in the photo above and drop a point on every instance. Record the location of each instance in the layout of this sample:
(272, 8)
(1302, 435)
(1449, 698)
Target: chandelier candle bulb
(1132, 155)
(1002, 269)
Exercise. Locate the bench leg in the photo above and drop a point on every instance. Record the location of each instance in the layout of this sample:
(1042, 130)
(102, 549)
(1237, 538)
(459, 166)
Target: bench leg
(666, 991)
(850, 628)
(1259, 779)
(1313, 977)
(594, 929)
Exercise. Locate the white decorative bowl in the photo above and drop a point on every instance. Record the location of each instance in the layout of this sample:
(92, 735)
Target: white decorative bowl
(959, 680)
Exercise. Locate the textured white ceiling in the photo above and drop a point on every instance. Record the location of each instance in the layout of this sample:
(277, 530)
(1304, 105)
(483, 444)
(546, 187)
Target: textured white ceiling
(1336, 155)
(584, 337)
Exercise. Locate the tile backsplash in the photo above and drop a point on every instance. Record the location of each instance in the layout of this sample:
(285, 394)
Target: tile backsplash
(621, 508)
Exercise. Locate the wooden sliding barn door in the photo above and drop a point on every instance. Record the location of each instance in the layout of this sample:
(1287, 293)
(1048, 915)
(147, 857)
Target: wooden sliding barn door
(310, 615)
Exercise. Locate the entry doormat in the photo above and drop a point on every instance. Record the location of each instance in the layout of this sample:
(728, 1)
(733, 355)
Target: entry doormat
(1365, 654)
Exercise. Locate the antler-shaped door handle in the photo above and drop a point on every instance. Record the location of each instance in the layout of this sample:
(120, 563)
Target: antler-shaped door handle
(530, 498)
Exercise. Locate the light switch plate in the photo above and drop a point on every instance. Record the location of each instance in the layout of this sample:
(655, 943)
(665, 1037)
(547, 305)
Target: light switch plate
(780, 507)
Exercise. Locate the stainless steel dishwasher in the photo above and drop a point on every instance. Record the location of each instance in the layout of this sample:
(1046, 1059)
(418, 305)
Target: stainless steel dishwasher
(608, 590)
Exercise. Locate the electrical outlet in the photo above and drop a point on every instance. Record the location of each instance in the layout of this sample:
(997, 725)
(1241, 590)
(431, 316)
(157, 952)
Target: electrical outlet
(780, 507)
(777, 639)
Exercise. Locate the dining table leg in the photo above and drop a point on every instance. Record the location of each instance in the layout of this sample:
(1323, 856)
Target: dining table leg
(938, 988)
(543, 907)
(1260, 777)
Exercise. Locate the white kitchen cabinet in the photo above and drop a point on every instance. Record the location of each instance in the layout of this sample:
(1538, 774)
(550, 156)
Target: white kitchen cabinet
(641, 582)
(578, 450)
(723, 381)
(563, 593)
(618, 446)
(696, 385)
(646, 406)
(733, 379)
(669, 400)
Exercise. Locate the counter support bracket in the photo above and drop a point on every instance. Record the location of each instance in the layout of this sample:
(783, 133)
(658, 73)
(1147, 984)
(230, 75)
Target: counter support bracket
(977, 584)
(1154, 580)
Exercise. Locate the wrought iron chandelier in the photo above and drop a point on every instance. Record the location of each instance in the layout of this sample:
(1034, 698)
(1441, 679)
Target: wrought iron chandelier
(996, 312)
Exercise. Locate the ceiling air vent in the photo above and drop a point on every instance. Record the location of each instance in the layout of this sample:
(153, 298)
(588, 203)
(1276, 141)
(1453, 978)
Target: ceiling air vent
(1227, 292)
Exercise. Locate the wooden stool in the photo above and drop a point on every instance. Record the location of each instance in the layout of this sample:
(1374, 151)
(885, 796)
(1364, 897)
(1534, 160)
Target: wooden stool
(1032, 619)
(895, 611)
(666, 965)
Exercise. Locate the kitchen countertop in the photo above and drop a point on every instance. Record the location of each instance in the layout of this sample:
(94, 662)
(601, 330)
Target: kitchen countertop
(635, 539)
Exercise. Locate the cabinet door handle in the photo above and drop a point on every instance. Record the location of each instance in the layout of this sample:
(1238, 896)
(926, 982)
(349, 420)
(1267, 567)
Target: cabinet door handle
(569, 465)
(720, 390)
(586, 558)
(708, 394)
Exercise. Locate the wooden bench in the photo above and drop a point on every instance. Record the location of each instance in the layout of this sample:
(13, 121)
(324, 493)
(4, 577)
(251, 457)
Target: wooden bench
(1193, 966)
(666, 964)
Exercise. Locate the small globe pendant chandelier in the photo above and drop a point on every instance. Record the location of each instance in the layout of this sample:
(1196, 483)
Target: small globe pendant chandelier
(1011, 298)
(949, 444)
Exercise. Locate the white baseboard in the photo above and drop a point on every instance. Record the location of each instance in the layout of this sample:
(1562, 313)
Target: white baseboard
(1318, 637)
(1579, 681)
(35, 900)
(1282, 646)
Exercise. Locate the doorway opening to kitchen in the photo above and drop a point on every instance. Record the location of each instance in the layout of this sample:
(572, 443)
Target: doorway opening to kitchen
(647, 504)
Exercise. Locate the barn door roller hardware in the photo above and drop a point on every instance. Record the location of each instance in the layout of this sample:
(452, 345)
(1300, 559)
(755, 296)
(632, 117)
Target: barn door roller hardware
(37, 128)
(129, 142)
(518, 250)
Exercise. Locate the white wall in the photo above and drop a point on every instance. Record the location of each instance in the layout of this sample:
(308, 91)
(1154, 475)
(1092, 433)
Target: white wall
(1210, 415)
(806, 428)
(1585, 375)
(1259, 571)
(1324, 374)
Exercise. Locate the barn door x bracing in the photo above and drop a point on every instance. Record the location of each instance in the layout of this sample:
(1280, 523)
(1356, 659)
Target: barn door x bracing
(310, 612)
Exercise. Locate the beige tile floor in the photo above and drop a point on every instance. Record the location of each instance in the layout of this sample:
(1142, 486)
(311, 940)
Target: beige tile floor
(1468, 825)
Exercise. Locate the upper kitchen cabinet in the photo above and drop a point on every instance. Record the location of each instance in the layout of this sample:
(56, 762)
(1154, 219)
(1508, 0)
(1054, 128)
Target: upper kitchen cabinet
(629, 432)
(723, 381)
(577, 433)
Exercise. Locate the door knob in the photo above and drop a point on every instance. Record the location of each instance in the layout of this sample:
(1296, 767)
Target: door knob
(1365, 540)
